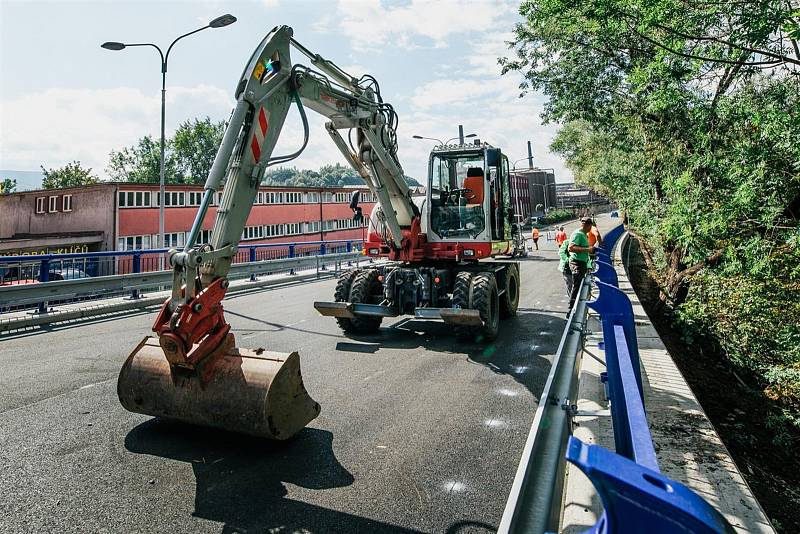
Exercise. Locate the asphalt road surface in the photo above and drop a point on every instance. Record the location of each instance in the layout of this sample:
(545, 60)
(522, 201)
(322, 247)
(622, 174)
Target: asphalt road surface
(418, 432)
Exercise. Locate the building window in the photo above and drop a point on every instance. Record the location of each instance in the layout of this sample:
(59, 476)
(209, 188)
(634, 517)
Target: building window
(294, 198)
(174, 239)
(205, 237)
(260, 199)
(135, 199)
(66, 203)
(252, 232)
(273, 197)
(174, 198)
(293, 228)
(52, 204)
(312, 227)
(312, 198)
(341, 197)
(195, 198)
(133, 242)
(39, 204)
(273, 230)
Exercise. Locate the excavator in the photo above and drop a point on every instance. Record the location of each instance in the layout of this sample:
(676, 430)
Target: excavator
(429, 249)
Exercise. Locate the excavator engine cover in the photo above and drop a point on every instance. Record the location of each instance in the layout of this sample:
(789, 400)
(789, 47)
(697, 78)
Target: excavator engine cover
(252, 392)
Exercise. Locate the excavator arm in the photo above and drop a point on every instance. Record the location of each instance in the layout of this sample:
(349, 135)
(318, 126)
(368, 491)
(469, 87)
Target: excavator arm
(197, 348)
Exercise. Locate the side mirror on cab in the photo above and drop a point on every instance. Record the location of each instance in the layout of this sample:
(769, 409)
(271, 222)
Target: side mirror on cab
(493, 157)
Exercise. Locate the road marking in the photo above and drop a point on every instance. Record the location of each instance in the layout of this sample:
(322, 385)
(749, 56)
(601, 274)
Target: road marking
(545, 333)
(454, 486)
(495, 423)
(508, 392)
(374, 375)
(534, 347)
(519, 369)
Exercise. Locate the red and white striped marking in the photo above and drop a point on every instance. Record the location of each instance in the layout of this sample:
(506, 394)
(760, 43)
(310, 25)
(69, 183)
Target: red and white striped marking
(259, 134)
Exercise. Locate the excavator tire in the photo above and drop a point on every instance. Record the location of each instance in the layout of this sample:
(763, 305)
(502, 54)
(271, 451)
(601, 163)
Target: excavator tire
(509, 301)
(461, 300)
(252, 392)
(484, 298)
(342, 294)
(365, 284)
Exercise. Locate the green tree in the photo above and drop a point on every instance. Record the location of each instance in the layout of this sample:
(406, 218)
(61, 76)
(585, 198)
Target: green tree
(194, 147)
(7, 185)
(70, 175)
(141, 163)
(687, 114)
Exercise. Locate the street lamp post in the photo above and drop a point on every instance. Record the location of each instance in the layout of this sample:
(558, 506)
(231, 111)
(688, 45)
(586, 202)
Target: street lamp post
(219, 22)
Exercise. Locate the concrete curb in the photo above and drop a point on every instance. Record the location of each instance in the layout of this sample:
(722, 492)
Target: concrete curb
(688, 448)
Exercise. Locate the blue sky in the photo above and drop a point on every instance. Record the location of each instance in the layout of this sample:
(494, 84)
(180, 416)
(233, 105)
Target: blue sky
(62, 97)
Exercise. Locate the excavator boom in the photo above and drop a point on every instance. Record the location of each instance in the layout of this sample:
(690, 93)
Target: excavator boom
(191, 370)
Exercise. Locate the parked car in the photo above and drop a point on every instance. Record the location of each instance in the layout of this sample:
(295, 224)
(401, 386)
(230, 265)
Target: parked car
(68, 273)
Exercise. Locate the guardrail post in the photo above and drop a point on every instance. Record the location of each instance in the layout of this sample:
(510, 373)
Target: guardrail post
(291, 255)
(638, 499)
(252, 260)
(137, 268)
(44, 276)
(349, 246)
(321, 253)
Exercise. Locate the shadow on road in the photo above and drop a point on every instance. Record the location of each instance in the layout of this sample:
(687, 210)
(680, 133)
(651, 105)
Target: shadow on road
(522, 350)
(241, 481)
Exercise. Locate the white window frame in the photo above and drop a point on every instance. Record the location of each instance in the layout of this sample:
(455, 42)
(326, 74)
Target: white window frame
(40, 204)
(52, 204)
(66, 203)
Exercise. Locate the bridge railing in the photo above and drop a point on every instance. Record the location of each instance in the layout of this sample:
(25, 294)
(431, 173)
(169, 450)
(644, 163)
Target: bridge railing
(636, 497)
(42, 280)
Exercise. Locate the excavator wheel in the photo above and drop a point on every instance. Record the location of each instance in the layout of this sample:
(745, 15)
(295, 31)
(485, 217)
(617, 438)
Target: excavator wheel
(461, 300)
(251, 392)
(509, 301)
(365, 285)
(342, 294)
(483, 296)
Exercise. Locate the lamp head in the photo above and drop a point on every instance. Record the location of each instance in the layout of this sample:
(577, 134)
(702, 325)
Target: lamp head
(112, 45)
(224, 20)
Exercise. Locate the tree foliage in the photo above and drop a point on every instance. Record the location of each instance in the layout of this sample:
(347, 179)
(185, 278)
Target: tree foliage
(70, 175)
(688, 114)
(7, 185)
(332, 175)
(188, 155)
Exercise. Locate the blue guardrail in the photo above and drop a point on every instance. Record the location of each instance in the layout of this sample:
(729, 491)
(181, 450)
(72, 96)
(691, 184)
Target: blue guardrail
(636, 497)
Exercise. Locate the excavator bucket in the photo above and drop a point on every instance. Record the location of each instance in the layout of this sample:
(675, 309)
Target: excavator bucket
(252, 392)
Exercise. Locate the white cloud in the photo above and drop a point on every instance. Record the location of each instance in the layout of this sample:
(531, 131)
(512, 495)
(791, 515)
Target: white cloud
(453, 92)
(55, 126)
(370, 25)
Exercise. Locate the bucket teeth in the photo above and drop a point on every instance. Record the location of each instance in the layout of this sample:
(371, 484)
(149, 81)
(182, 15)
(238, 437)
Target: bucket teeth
(260, 393)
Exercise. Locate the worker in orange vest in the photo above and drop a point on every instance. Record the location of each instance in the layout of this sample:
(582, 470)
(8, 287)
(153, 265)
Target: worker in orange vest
(561, 236)
(535, 237)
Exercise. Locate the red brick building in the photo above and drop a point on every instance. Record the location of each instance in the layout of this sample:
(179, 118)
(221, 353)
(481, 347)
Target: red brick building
(124, 216)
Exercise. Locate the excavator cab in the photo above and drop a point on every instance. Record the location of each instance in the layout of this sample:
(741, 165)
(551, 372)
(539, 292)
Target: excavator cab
(469, 195)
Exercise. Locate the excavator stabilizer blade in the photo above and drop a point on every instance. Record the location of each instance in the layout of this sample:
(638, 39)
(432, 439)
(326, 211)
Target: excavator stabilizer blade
(252, 392)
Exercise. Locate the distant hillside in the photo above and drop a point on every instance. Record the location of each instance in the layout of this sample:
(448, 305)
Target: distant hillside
(327, 176)
(26, 180)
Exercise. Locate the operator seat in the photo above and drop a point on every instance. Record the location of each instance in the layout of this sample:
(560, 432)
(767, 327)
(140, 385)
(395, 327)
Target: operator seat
(474, 182)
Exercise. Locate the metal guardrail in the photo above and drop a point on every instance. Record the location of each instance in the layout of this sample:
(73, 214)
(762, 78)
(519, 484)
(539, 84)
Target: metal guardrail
(134, 283)
(636, 497)
(49, 267)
